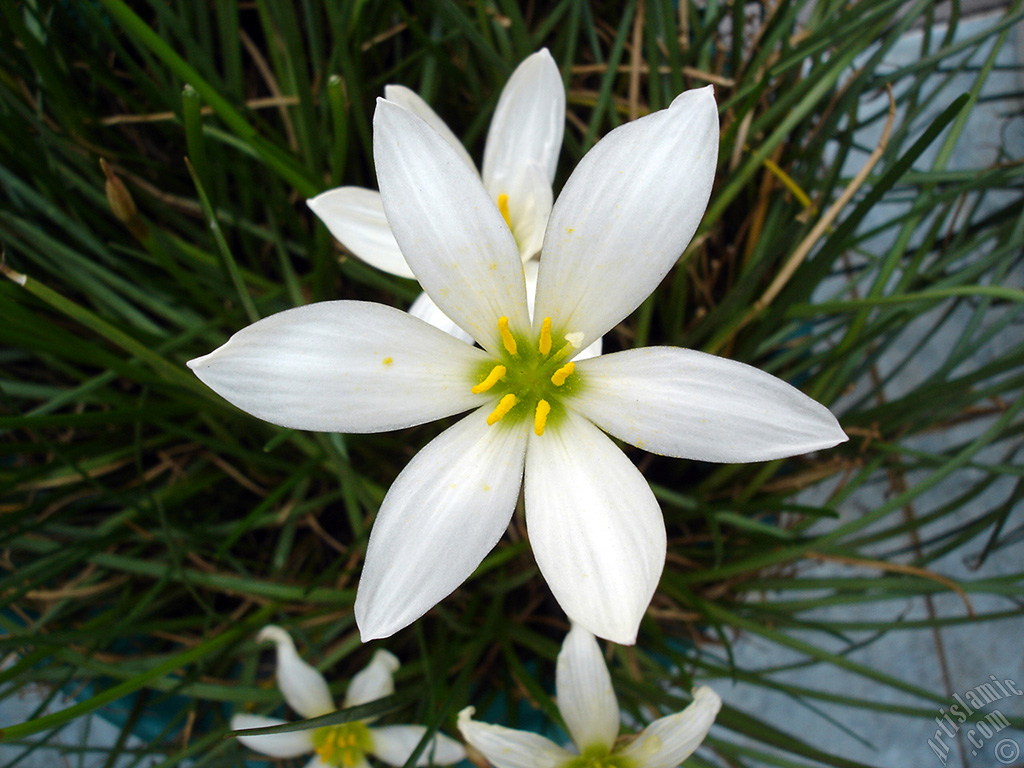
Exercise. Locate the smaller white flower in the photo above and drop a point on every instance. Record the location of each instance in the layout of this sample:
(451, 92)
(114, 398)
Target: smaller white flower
(345, 745)
(591, 712)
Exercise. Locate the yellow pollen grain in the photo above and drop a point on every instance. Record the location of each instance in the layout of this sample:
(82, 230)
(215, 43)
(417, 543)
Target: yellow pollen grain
(503, 207)
(506, 404)
(497, 374)
(388, 361)
(545, 336)
(558, 377)
(540, 418)
(506, 335)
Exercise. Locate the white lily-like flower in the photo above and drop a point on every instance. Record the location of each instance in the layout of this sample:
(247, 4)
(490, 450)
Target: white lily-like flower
(520, 159)
(621, 222)
(591, 713)
(345, 745)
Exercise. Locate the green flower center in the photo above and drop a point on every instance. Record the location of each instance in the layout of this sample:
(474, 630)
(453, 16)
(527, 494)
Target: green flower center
(598, 757)
(531, 378)
(342, 745)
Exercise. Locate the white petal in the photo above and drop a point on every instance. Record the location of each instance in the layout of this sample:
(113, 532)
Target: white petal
(394, 743)
(594, 350)
(444, 513)
(530, 268)
(595, 527)
(373, 682)
(529, 205)
(528, 122)
(450, 232)
(356, 218)
(508, 748)
(665, 743)
(585, 696)
(343, 366)
(521, 154)
(626, 214)
(410, 100)
(304, 688)
(689, 404)
(291, 744)
(426, 310)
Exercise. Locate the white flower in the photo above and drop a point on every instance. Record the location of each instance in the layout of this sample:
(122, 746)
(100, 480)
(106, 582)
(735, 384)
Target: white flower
(618, 227)
(345, 745)
(520, 159)
(588, 706)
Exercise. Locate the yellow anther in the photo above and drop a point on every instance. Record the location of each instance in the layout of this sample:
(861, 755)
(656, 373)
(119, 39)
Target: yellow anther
(329, 749)
(506, 335)
(503, 207)
(545, 336)
(540, 418)
(506, 404)
(497, 374)
(558, 377)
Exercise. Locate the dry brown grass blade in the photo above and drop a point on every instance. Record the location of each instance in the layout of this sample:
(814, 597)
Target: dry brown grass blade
(898, 568)
(266, 102)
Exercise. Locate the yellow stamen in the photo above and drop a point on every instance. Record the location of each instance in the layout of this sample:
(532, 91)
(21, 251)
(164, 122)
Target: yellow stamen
(506, 335)
(497, 374)
(329, 749)
(503, 207)
(545, 336)
(558, 377)
(540, 418)
(506, 404)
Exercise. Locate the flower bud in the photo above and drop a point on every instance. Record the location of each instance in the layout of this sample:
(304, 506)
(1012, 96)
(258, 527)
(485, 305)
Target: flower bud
(121, 203)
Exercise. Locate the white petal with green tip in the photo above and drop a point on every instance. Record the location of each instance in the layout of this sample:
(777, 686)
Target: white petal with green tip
(509, 748)
(585, 696)
(665, 743)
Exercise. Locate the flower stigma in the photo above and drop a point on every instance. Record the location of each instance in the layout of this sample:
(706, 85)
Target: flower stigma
(343, 745)
(531, 380)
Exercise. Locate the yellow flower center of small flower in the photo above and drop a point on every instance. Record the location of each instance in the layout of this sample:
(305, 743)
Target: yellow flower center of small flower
(530, 380)
(343, 745)
(598, 757)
